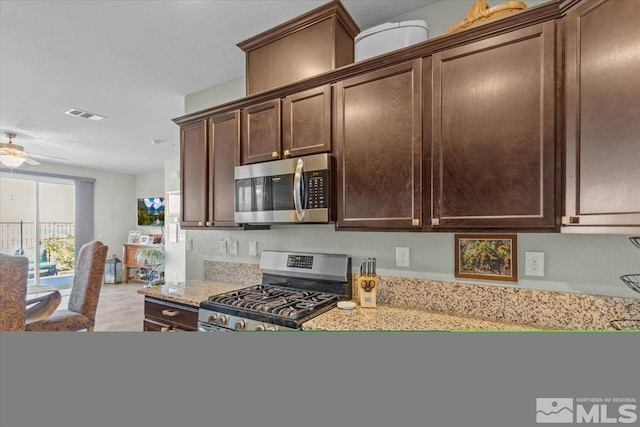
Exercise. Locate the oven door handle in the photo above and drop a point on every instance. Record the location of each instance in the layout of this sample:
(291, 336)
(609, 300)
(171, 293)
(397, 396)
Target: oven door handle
(298, 188)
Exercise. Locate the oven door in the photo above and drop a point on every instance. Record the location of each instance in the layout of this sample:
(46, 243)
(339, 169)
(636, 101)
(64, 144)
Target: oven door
(209, 327)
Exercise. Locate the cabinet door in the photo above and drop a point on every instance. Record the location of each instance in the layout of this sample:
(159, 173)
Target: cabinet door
(194, 174)
(261, 132)
(224, 149)
(603, 114)
(493, 133)
(306, 122)
(379, 131)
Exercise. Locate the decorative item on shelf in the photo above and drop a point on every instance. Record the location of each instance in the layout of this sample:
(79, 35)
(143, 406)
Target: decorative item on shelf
(480, 13)
(113, 270)
(152, 259)
(368, 283)
(134, 237)
(632, 281)
(486, 256)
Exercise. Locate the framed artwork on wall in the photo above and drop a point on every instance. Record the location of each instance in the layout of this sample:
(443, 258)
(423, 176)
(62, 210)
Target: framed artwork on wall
(486, 256)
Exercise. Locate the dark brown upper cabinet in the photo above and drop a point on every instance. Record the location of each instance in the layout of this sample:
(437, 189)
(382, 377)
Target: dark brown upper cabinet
(379, 149)
(494, 149)
(306, 126)
(306, 122)
(224, 155)
(209, 153)
(193, 174)
(603, 116)
(261, 132)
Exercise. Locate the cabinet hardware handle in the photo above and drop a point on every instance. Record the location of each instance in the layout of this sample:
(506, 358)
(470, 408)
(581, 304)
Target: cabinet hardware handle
(208, 223)
(200, 223)
(165, 329)
(275, 154)
(566, 220)
(287, 153)
(435, 222)
(170, 313)
(415, 221)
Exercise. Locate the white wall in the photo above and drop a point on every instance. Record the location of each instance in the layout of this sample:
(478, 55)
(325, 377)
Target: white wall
(590, 264)
(174, 252)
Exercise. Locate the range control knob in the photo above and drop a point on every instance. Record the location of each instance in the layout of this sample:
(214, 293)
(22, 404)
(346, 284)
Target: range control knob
(222, 320)
(272, 328)
(260, 328)
(240, 325)
(213, 318)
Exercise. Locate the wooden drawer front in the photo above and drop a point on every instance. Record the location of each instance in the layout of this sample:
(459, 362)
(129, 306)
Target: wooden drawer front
(153, 326)
(171, 313)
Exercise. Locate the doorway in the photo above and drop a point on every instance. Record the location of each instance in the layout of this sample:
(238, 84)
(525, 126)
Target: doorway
(37, 221)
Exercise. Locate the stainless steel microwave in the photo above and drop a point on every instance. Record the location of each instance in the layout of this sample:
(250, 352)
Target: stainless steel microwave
(295, 190)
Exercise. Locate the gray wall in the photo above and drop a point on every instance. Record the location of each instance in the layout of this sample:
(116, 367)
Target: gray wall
(590, 264)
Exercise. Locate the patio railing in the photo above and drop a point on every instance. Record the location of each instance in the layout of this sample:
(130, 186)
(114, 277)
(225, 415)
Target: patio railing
(20, 235)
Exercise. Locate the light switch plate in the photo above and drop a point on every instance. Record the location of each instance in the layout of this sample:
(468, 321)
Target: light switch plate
(402, 256)
(253, 248)
(233, 247)
(223, 246)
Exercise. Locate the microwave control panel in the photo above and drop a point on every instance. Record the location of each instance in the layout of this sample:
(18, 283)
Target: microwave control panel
(317, 189)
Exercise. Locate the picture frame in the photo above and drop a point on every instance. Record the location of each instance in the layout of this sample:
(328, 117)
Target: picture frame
(172, 202)
(134, 237)
(145, 240)
(486, 256)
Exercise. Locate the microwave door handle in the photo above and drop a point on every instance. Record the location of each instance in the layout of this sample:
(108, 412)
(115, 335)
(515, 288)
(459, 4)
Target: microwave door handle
(297, 190)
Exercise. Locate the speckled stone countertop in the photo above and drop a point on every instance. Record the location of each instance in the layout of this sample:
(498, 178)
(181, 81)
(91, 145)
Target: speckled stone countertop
(390, 318)
(189, 293)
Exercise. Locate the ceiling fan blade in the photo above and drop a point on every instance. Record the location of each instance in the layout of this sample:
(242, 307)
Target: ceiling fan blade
(30, 161)
(48, 158)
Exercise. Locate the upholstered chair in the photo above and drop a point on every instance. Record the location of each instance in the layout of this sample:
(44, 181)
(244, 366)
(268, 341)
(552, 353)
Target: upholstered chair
(80, 313)
(13, 292)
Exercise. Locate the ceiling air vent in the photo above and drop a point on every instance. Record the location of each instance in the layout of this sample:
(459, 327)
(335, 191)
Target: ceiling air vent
(84, 114)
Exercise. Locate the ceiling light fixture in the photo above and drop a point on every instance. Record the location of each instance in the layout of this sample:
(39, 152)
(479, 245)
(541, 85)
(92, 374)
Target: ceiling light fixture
(9, 156)
(11, 161)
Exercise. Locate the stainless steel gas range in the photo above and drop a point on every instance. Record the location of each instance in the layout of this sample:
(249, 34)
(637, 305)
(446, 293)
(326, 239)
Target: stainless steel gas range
(295, 287)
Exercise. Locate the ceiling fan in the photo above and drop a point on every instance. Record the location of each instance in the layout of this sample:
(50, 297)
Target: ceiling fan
(13, 155)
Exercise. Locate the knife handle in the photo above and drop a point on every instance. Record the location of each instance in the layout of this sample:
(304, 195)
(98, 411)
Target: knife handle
(373, 267)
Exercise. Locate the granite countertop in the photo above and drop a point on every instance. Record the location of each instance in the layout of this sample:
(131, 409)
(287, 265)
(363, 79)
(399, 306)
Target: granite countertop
(380, 318)
(391, 318)
(189, 293)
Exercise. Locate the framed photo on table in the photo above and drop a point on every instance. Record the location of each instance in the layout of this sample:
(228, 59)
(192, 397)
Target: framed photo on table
(486, 256)
(146, 240)
(134, 237)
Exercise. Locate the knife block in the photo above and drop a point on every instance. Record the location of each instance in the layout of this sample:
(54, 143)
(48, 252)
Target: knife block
(368, 290)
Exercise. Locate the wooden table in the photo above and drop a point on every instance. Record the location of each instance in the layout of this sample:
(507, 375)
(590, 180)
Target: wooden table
(129, 260)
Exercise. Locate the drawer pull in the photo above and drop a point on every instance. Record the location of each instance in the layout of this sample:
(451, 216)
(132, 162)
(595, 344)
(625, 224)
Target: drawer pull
(164, 329)
(170, 313)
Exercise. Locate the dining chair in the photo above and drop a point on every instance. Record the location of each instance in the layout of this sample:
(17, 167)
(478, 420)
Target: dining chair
(14, 271)
(80, 313)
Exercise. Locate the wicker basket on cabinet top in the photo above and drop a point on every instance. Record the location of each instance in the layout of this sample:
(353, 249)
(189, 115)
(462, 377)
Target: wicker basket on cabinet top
(480, 13)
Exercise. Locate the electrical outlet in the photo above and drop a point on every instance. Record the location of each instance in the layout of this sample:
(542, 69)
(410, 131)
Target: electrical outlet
(534, 263)
(253, 248)
(223, 246)
(233, 247)
(402, 256)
